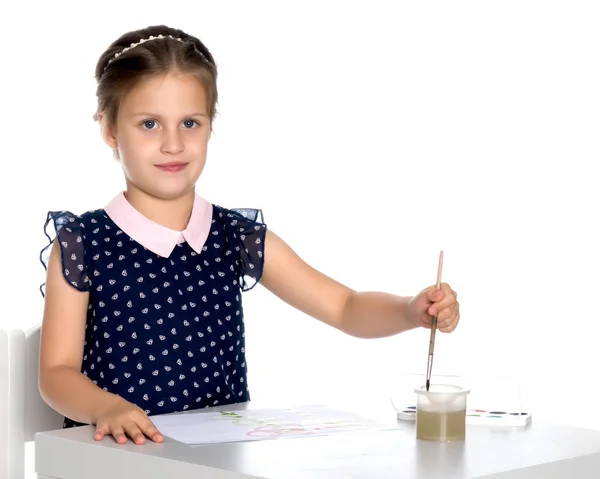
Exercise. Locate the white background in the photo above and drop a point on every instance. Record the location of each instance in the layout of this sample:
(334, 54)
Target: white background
(372, 134)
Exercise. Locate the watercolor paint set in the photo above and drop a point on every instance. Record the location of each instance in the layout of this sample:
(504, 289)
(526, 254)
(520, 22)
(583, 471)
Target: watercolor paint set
(493, 400)
(479, 417)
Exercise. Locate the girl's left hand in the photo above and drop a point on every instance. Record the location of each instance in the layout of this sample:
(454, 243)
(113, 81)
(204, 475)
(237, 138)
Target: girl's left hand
(431, 302)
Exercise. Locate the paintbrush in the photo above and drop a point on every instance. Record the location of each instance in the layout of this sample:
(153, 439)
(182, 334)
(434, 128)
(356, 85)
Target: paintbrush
(434, 325)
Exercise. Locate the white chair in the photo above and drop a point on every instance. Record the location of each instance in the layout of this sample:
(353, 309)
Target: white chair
(23, 412)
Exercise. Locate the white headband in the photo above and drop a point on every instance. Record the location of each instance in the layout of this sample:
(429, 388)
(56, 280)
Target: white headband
(143, 40)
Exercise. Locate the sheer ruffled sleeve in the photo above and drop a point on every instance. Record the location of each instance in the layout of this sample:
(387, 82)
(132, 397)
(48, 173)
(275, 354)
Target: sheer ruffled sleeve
(68, 229)
(247, 231)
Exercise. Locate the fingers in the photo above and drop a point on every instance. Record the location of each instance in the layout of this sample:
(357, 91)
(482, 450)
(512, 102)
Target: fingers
(134, 432)
(448, 325)
(118, 433)
(442, 299)
(137, 430)
(150, 430)
(434, 294)
(445, 306)
(101, 431)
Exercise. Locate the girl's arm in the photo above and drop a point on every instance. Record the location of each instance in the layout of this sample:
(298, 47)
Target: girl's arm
(360, 314)
(62, 385)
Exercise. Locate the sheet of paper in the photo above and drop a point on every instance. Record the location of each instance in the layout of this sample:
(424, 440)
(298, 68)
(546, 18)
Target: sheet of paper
(260, 424)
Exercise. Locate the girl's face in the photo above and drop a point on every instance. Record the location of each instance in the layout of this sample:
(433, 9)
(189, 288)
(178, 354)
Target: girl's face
(161, 134)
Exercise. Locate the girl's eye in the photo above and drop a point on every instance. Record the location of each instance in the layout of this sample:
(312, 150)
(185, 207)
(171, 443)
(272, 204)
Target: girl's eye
(149, 124)
(189, 123)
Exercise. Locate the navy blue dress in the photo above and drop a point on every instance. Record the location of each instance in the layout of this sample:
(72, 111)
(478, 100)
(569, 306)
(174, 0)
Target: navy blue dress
(166, 334)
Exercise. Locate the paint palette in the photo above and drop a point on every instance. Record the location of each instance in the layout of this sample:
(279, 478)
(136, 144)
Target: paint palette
(494, 399)
(479, 417)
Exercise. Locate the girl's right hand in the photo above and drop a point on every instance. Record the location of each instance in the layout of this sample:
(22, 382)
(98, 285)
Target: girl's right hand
(121, 419)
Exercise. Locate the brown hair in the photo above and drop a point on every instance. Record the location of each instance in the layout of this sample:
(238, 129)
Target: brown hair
(122, 66)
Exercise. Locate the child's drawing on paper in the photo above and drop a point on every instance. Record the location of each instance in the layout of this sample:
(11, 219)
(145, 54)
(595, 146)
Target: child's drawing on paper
(290, 429)
(261, 424)
(288, 422)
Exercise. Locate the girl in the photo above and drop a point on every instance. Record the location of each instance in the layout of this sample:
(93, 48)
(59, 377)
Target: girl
(143, 311)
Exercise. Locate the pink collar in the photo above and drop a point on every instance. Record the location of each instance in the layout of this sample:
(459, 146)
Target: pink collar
(155, 237)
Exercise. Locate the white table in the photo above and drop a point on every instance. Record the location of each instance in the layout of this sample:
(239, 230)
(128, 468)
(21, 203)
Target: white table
(538, 451)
